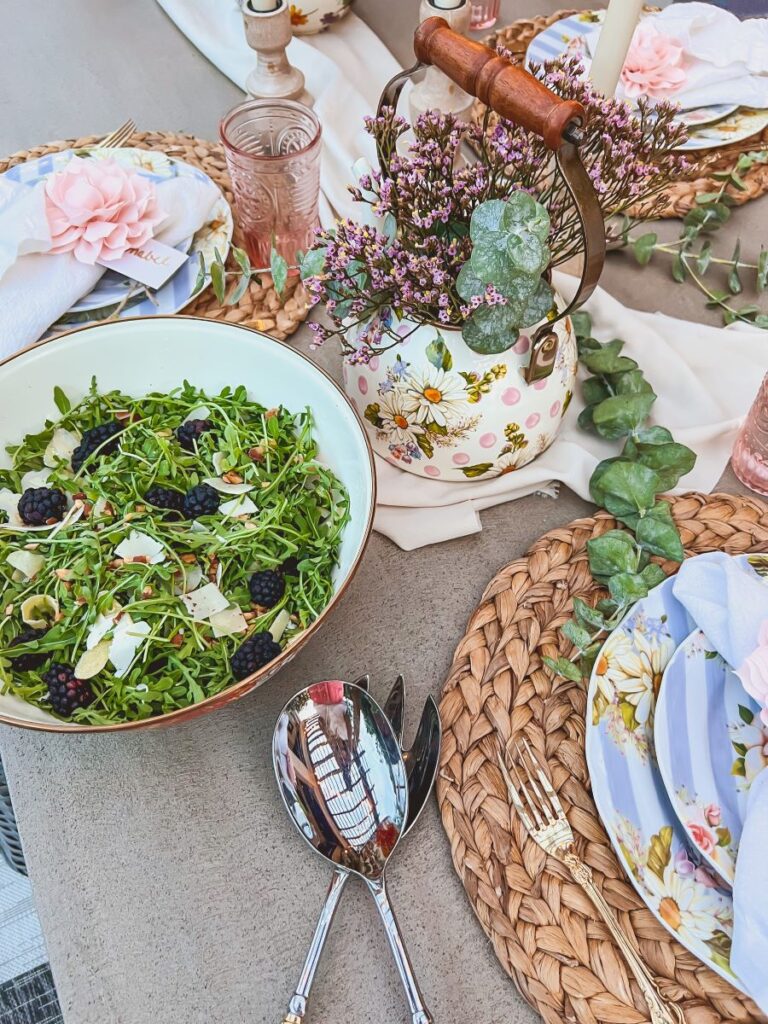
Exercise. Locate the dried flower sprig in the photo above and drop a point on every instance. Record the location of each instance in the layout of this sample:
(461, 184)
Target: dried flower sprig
(405, 260)
(693, 255)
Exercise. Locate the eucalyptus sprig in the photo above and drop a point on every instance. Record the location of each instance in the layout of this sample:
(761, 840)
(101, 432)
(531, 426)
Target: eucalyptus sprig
(242, 277)
(619, 400)
(693, 256)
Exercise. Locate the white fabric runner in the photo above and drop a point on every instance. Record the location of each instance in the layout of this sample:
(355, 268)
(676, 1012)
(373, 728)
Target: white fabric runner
(705, 377)
(345, 69)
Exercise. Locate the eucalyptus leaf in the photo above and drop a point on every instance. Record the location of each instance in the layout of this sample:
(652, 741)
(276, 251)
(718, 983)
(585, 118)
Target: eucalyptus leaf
(218, 281)
(468, 284)
(594, 390)
(606, 359)
(527, 252)
(578, 636)
(627, 587)
(582, 324)
(671, 461)
(612, 552)
(653, 575)
(279, 269)
(643, 247)
(618, 416)
(538, 305)
(632, 382)
(242, 259)
(563, 667)
(438, 354)
(490, 330)
(312, 263)
(521, 209)
(486, 219)
(624, 488)
(586, 615)
(660, 538)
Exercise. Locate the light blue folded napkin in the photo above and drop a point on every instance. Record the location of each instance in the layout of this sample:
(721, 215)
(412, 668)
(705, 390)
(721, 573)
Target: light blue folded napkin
(730, 602)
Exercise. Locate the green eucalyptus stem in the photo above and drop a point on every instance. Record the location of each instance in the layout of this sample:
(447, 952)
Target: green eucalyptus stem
(618, 402)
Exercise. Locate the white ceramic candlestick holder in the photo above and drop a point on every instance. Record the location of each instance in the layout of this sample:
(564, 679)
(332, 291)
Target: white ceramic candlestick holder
(269, 33)
(436, 91)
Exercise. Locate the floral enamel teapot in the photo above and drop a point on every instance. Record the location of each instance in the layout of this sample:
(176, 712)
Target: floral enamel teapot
(433, 404)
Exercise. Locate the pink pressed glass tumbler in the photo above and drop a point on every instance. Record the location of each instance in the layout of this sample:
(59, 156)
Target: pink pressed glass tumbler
(750, 453)
(272, 149)
(484, 14)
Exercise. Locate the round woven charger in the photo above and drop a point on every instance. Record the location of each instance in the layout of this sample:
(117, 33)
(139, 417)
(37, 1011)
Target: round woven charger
(681, 196)
(544, 929)
(260, 306)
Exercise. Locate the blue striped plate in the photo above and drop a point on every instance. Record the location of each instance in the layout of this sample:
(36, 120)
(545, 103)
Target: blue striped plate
(681, 890)
(112, 290)
(710, 745)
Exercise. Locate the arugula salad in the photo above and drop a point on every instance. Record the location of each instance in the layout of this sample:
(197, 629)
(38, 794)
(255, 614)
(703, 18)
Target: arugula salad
(155, 550)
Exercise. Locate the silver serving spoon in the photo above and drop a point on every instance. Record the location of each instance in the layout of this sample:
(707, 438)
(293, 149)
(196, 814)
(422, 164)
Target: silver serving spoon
(343, 781)
(421, 763)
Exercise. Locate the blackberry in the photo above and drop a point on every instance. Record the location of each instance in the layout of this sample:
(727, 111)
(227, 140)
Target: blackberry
(290, 566)
(189, 432)
(165, 498)
(65, 691)
(33, 660)
(266, 587)
(106, 434)
(202, 500)
(253, 654)
(41, 505)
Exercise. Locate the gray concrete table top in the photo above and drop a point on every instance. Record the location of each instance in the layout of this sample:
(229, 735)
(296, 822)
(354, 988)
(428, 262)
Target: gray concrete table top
(170, 884)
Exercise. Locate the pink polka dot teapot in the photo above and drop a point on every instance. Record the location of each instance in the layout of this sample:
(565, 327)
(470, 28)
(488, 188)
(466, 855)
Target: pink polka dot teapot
(470, 377)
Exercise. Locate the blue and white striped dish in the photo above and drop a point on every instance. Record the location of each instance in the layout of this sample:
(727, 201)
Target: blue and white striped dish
(111, 290)
(577, 36)
(682, 891)
(709, 746)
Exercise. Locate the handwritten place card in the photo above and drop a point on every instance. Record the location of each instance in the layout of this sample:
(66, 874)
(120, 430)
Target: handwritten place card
(150, 264)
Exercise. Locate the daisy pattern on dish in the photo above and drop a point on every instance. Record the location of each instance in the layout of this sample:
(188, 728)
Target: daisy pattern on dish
(395, 417)
(435, 396)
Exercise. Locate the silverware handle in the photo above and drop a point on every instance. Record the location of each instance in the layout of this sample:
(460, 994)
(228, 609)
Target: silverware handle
(297, 1007)
(419, 1013)
(662, 1011)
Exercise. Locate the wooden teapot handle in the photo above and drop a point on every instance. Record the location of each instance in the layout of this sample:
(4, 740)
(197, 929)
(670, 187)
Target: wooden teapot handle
(512, 92)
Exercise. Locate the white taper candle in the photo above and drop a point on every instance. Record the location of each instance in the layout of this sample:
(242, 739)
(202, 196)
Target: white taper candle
(263, 6)
(447, 5)
(621, 19)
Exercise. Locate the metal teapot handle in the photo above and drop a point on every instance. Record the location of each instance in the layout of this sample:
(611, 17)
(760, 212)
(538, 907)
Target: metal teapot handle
(518, 96)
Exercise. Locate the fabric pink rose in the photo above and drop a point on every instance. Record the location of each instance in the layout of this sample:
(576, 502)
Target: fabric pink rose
(712, 814)
(653, 65)
(753, 672)
(702, 837)
(97, 209)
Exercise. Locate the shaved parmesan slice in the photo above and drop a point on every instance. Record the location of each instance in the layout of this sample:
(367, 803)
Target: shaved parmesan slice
(104, 622)
(241, 506)
(200, 412)
(91, 662)
(188, 579)
(27, 562)
(224, 488)
(60, 448)
(220, 463)
(205, 602)
(139, 547)
(35, 478)
(228, 622)
(39, 611)
(279, 625)
(129, 636)
(101, 508)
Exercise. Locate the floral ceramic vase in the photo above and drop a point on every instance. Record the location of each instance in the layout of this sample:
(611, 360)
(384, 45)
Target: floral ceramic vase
(434, 407)
(311, 16)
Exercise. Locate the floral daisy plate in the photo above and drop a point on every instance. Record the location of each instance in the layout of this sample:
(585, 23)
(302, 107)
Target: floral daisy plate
(710, 745)
(115, 295)
(682, 892)
(710, 126)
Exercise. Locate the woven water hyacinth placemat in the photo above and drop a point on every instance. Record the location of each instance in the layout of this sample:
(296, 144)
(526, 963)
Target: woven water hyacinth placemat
(260, 307)
(681, 196)
(545, 931)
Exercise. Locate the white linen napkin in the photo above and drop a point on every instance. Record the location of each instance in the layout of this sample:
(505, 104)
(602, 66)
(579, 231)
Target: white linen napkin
(345, 69)
(36, 288)
(729, 603)
(727, 59)
(705, 377)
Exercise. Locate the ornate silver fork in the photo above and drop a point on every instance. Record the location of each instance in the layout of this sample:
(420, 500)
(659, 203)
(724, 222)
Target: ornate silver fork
(539, 809)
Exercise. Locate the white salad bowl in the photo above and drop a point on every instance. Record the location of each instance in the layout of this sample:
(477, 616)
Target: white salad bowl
(158, 353)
